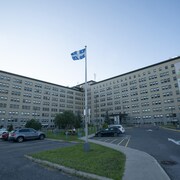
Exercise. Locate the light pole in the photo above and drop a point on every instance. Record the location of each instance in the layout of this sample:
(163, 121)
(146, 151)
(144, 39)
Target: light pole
(96, 111)
(86, 145)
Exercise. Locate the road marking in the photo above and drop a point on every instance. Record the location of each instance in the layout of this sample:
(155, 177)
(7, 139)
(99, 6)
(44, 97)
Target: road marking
(122, 141)
(149, 130)
(174, 141)
(113, 141)
(106, 140)
(127, 141)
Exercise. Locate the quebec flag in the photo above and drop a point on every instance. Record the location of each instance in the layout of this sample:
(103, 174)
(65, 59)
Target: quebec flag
(77, 55)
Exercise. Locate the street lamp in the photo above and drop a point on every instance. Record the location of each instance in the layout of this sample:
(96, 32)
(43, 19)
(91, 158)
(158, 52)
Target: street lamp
(96, 111)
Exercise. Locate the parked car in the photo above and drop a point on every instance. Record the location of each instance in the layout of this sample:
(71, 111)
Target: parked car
(5, 136)
(2, 131)
(70, 132)
(20, 135)
(119, 126)
(111, 131)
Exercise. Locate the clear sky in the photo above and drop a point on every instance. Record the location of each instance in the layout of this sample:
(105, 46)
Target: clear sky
(38, 36)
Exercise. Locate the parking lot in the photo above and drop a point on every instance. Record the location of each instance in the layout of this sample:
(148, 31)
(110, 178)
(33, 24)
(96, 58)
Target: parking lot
(13, 164)
(162, 144)
(122, 140)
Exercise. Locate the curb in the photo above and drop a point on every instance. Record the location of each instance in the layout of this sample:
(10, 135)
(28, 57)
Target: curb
(135, 172)
(60, 140)
(177, 130)
(67, 170)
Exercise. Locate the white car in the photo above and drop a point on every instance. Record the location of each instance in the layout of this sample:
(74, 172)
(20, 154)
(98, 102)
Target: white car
(2, 130)
(119, 126)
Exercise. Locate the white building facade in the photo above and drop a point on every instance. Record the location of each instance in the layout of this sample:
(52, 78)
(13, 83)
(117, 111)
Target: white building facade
(23, 99)
(147, 95)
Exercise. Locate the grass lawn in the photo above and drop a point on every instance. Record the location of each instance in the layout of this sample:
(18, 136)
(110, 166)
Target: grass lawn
(171, 126)
(99, 160)
(62, 136)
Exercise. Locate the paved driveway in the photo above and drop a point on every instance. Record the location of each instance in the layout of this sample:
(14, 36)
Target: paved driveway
(122, 140)
(162, 144)
(156, 142)
(13, 164)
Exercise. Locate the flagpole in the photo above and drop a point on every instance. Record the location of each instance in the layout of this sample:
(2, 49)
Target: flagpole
(86, 147)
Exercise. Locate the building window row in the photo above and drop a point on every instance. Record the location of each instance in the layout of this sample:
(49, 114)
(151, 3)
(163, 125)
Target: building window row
(157, 109)
(154, 96)
(14, 106)
(5, 78)
(2, 112)
(16, 87)
(3, 91)
(5, 85)
(16, 93)
(165, 80)
(3, 98)
(15, 80)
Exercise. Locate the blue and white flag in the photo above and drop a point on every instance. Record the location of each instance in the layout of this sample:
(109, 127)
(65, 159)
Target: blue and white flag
(77, 55)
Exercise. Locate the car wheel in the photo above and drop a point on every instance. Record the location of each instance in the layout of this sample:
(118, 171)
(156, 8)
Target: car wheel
(99, 135)
(115, 134)
(41, 137)
(20, 139)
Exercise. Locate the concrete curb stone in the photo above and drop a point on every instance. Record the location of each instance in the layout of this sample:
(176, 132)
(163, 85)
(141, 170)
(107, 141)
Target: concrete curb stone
(139, 165)
(67, 170)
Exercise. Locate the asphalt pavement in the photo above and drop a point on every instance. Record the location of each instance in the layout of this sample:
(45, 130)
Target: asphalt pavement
(14, 166)
(162, 144)
(139, 165)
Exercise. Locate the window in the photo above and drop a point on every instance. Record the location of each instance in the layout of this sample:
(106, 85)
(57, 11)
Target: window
(28, 83)
(55, 89)
(28, 89)
(3, 98)
(69, 92)
(4, 84)
(24, 130)
(38, 85)
(47, 87)
(3, 91)
(17, 81)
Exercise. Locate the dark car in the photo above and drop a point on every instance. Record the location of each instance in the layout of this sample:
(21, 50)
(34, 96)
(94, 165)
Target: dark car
(20, 135)
(112, 131)
(5, 136)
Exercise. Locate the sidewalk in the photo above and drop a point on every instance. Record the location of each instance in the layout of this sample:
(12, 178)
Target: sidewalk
(139, 165)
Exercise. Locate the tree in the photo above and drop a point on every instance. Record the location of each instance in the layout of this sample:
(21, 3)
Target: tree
(33, 124)
(10, 128)
(107, 120)
(58, 121)
(67, 119)
(78, 120)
